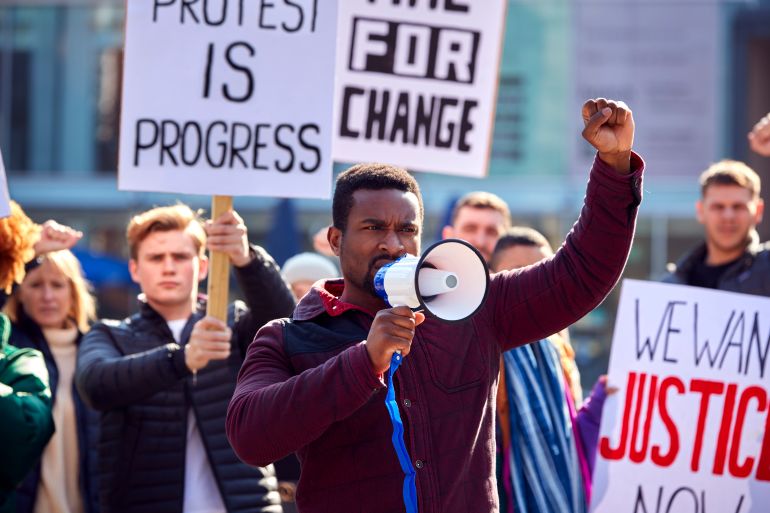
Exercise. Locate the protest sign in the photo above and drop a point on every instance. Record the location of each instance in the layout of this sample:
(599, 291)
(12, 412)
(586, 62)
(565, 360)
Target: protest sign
(5, 207)
(416, 83)
(688, 431)
(228, 98)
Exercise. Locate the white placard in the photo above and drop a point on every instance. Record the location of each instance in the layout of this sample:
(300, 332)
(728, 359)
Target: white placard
(416, 84)
(661, 58)
(5, 207)
(229, 98)
(688, 430)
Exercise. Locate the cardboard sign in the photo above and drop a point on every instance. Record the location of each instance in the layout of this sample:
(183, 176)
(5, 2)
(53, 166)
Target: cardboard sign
(416, 83)
(228, 98)
(688, 430)
(5, 207)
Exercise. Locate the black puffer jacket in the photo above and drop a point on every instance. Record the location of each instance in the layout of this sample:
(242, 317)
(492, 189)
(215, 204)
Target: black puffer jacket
(135, 373)
(750, 274)
(26, 333)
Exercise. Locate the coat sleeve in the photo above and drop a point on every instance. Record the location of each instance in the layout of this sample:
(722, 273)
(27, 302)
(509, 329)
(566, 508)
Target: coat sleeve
(267, 296)
(25, 410)
(260, 426)
(588, 421)
(534, 302)
(108, 379)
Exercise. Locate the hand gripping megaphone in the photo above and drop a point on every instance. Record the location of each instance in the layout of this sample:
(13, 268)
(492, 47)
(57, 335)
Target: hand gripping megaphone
(449, 281)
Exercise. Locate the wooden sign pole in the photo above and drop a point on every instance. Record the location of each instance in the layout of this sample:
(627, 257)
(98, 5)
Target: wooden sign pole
(219, 267)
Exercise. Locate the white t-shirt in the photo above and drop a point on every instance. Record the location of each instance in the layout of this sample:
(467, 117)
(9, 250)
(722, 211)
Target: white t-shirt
(201, 494)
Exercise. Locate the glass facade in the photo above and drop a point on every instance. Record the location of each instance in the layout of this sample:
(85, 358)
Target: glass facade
(60, 88)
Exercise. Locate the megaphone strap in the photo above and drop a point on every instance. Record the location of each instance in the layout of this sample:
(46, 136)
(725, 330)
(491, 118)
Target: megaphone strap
(410, 487)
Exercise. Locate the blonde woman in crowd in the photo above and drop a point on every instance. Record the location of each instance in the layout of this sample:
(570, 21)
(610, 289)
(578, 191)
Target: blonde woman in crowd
(50, 311)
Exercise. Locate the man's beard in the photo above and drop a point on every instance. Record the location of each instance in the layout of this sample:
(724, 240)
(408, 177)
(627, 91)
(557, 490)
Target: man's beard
(367, 281)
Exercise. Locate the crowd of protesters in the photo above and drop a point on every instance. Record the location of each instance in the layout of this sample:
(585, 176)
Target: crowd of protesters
(171, 410)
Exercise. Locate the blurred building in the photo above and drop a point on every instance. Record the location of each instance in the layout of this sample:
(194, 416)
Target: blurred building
(696, 73)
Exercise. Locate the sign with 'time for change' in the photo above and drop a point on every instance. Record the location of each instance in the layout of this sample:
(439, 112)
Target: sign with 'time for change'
(416, 83)
(228, 97)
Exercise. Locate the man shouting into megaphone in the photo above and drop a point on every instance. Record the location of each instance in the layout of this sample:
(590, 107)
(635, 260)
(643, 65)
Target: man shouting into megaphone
(313, 384)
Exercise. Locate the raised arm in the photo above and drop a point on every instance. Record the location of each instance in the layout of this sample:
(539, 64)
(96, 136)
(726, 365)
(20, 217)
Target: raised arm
(537, 301)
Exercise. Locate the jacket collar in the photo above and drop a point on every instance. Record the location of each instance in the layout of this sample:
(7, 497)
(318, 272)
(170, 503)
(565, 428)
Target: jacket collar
(698, 254)
(324, 298)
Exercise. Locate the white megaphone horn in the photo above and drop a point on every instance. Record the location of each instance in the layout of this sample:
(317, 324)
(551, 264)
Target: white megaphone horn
(449, 281)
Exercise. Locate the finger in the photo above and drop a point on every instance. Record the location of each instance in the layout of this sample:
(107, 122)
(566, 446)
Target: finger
(229, 217)
(589, 109)
(419, 318)
(613, 119)
(211, 337)
(207, 345)
(611, 390)
(211, 323)
(597, 120)
(230, 238)
(401, 335)
(601, 103)
(215, 355)
(400, 321)
(403, 311)
(225, 229)
(623, 113)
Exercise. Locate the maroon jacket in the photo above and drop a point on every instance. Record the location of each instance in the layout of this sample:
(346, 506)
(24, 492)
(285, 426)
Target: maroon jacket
(307, 385)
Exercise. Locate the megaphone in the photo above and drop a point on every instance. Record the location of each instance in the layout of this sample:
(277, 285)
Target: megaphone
(449, 281)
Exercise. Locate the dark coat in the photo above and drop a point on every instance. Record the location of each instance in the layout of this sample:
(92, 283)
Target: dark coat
(26, 333)
(135, 374)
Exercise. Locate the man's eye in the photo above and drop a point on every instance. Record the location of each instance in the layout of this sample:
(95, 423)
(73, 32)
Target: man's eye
(372, 227)
(409, 229)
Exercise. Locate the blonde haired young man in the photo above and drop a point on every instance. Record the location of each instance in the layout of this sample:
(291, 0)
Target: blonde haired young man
(162, 378)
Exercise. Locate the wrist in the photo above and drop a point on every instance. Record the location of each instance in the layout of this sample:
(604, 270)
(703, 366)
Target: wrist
(243, 259)
(619, 161)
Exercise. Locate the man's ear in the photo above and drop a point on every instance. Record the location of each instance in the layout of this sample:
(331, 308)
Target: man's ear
(334, 236)
(699, 211)
(448, 232)
(133, 267)
(760, 211)
(203, 267)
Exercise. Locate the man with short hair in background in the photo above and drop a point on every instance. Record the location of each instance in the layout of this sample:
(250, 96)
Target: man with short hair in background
(480, 218)
(163, 377)
(731, 257)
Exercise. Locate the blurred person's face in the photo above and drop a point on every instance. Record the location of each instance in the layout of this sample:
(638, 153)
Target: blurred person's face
(518, 256)
(301, 287)
(168, 269)
(479, 226)
(46, 296)
(728, 213)
(382, 226)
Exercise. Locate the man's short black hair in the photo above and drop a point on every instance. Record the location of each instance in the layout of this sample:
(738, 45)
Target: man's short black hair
(372, 177)
(519, 236)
